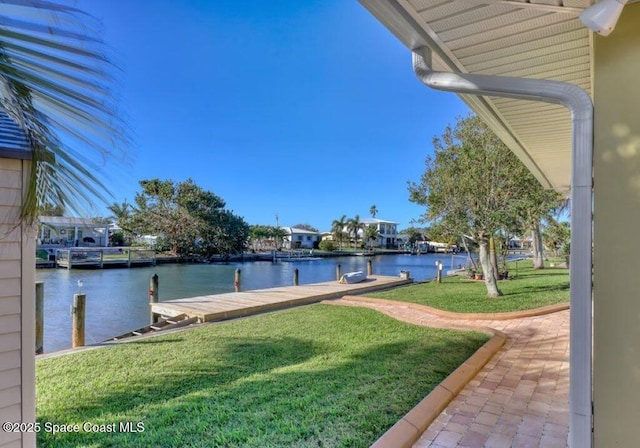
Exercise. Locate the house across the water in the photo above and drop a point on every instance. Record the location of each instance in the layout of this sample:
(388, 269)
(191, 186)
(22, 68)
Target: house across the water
(62, 231)
(297, 238)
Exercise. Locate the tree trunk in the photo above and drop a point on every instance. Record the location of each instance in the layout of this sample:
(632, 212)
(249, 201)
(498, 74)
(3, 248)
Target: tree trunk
(469, 257)
(538, 248)
(489, 274)
(493, 257)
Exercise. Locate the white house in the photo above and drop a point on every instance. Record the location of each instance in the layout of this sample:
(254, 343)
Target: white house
(297, 238)
(65, 231)
(388, 231)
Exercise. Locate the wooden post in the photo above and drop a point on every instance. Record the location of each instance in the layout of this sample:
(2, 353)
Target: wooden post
(296, 277)
(102, 258)
(77, 326)
(338, 272)
(236, 281)
(153, 297)
(39, 318)
(369, 267)
(129, 258)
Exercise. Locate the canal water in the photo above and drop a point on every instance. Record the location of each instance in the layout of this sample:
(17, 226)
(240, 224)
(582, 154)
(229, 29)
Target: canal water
(117, 298)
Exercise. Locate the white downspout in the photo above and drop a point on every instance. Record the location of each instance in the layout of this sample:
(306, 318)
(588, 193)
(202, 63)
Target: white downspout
(579, 104)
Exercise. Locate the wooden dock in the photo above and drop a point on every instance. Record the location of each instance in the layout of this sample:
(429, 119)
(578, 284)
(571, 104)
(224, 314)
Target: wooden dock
(101, 257)
(238, 304)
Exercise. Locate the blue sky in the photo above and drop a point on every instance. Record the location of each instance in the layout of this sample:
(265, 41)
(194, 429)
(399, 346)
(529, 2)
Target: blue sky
(305, 109)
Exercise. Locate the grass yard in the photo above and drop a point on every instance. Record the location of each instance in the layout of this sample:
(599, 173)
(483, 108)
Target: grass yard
(315, 376)
(529, 289)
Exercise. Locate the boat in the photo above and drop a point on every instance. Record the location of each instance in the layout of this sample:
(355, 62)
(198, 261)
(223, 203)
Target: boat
(353, 277)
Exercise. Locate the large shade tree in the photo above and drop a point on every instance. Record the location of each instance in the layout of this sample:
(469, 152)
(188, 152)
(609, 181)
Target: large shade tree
(475, 185)
(190, 220)
(259, 235)
(56, 84)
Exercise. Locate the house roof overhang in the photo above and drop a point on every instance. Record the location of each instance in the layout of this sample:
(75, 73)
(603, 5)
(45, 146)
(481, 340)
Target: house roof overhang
(13, 141)
(64, 221)
(540, 39)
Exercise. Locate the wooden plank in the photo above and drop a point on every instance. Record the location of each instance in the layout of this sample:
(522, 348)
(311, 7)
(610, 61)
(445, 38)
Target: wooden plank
(10, 269)
(10, 232)
(11, 197)
(10, 395)
(10, 341)
(10, 360)
(11, 215)
(10, 323)
(17, 443)
(10, 165)
(9, 250)
(10, 287)
(9, 378)
(10, 413)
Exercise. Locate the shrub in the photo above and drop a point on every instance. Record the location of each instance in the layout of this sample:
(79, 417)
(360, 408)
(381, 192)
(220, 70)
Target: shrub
(327, 245)
(117, 239)
(42, 254)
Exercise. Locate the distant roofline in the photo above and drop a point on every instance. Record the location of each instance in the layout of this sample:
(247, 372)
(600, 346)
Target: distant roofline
(65, 220)
(299, 230)
(376, 221)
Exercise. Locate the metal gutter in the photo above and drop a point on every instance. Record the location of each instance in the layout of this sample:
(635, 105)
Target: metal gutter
(581, 108)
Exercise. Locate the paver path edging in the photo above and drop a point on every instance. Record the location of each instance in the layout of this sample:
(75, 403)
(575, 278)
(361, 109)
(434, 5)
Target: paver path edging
(409, 430)
(466, 316)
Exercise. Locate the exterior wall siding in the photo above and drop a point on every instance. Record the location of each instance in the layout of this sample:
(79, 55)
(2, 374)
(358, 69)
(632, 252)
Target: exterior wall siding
(616, 368)
(17, 396)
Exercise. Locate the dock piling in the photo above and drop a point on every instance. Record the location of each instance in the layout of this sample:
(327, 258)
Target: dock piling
(39, 318)
(77, 324)
(153, 297)
(236, 281)
(369, 267)
(338, 272)
(296, 278)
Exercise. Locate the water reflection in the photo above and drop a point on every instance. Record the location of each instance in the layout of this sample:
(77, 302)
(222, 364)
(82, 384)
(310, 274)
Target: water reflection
(117, 300)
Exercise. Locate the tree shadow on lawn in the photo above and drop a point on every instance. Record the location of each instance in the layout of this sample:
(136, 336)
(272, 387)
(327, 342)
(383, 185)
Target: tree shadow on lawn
(255, 397)
(140, 386)
(527, 290)
(543, 273)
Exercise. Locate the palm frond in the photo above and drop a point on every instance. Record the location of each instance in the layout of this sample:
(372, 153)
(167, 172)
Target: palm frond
(55, 83)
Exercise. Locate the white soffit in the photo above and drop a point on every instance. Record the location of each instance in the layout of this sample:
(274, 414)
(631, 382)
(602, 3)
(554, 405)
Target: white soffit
(540, 39)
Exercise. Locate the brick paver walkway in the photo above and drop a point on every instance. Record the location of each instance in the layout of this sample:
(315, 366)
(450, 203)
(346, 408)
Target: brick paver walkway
(521, 396)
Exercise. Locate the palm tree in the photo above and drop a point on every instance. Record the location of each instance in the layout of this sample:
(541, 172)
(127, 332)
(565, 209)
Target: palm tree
(121, 212)
(371, 234)
(373, 210)
(337, 228)
(353, 225)
(55, 84)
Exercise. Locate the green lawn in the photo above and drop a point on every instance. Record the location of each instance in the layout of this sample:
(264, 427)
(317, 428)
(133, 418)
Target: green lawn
(313, 376)
(529, 289)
